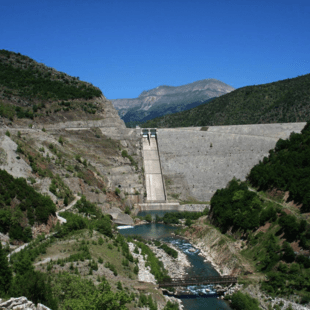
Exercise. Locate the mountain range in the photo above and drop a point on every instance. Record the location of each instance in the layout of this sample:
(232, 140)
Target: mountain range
(165, 99)
(283, 101)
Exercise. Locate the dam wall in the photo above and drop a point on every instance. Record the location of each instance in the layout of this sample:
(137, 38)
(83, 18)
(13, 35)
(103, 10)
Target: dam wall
(195, 163)
(169, 206)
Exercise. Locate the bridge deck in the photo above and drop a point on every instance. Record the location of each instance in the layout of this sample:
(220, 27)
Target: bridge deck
(198, 281)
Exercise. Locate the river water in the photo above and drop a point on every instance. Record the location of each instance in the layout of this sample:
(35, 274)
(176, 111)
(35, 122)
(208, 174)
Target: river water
(201, 300)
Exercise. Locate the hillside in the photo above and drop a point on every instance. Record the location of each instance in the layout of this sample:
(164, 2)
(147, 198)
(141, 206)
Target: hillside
(278, 102)
(165, 99)
(32, 91)
(266, 216)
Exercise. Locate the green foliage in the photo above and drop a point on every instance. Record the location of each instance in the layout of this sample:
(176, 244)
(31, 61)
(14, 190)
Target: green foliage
(132, 161)
(37, 207)
(157, 267)
(171, 306)
(169, 250)
(236, 206)
(61, 140)
(173, 217)
(240, 301)
(35, 286)
(148, 218)
(60, 189)
(75, 292)
(103, 225)
(86, 207)
(117, 191)
(287, 168)
(119, 286)
(147, 301)
(7, 111)
(279, 102)
(5, 273)
(286, 281)
(7, 133)
(26, 78)
(100, 241)
(111, 267)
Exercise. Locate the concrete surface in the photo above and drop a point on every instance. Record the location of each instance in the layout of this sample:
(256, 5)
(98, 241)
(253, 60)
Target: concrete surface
(152, 170)
(203, 161)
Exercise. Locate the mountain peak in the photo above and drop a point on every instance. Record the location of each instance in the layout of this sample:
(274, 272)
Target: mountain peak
(165, 99)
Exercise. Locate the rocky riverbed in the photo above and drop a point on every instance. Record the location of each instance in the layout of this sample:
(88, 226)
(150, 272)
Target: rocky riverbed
(170, 264)
(176, 267)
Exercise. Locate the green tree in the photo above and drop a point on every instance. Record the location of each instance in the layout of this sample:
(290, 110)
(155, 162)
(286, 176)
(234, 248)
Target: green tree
(240, 301)
(5, 273)
(148, 218)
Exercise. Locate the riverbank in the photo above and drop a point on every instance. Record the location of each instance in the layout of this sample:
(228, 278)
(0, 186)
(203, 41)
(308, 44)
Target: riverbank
(223, 253)
(145, 275)
(220, 251)
(176, 267)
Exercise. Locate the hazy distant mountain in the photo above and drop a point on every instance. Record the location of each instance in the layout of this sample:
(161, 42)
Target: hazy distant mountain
(164, 100)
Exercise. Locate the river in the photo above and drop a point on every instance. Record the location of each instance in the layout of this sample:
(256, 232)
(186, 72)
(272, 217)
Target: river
(198, 266)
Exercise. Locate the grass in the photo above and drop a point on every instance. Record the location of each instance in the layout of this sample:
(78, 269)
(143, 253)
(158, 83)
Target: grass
(70, 245)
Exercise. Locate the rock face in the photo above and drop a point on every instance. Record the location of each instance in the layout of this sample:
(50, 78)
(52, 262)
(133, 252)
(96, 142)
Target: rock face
(9, 159)
(219, 250)
(21, 303)
(196, 163)
(168, 99)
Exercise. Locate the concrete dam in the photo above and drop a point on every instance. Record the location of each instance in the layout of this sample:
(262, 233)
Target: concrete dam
(192, 163)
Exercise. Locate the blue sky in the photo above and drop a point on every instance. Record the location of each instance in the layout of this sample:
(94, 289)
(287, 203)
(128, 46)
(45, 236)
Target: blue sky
(125, 47)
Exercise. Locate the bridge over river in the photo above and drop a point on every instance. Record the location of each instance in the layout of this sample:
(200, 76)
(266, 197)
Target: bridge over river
(174, 282)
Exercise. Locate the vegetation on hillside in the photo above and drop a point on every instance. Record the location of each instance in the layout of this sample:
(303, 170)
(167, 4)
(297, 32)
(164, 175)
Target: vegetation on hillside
(287, 168)
(277, 102)
(277, 240)
(25, 78)
(21, 206)
(32, 90)
(135, 116)
(64, 283)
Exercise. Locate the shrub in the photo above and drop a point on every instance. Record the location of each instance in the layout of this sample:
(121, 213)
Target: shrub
(61, 140)
(240, 301)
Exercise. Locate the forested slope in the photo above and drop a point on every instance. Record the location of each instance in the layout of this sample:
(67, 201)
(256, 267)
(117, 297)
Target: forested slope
(29, 89)
(21, 206)
(277, 102)
(277, 234)
(287, 168)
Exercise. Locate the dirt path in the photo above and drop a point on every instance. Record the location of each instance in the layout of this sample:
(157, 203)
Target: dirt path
(61, 220)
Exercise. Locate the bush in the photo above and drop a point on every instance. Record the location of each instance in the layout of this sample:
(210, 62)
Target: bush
(61, 140)
(240, 301)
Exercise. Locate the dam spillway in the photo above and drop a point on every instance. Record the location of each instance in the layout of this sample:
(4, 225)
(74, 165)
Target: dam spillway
(152, 168)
